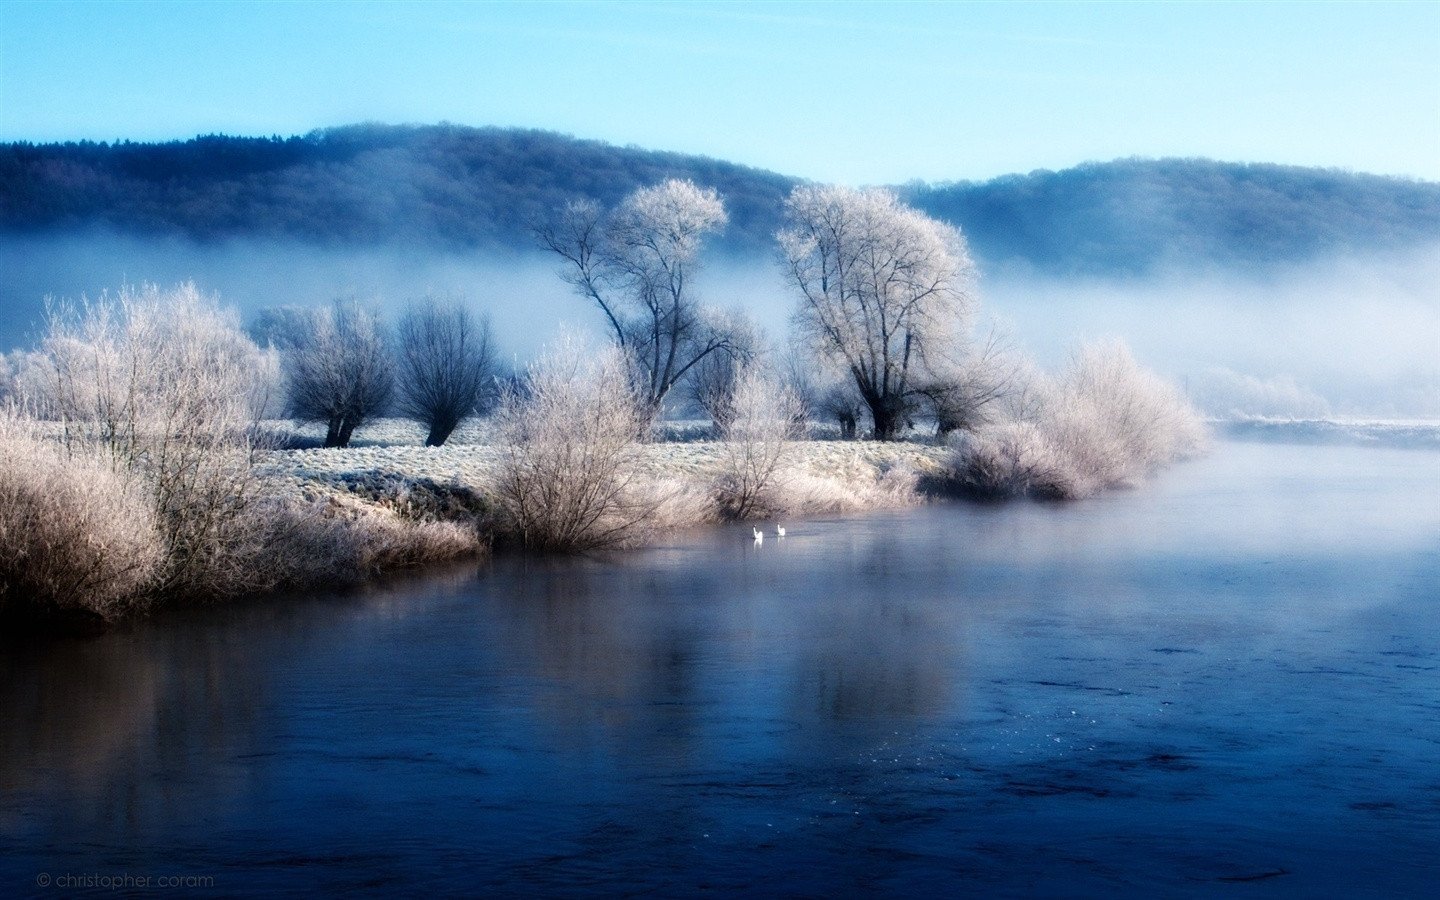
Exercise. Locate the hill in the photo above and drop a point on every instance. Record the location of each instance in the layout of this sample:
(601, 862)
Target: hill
(460, 188)
(1131, 216)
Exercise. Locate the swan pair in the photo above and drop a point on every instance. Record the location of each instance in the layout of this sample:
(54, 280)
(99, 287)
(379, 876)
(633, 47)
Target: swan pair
(760, 535)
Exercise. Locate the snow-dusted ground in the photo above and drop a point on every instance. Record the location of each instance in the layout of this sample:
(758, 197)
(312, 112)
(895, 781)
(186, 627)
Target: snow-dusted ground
(391, 449)
(398, 432)
(836, 475)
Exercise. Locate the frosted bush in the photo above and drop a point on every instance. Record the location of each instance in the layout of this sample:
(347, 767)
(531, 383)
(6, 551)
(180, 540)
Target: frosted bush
(74, 535)
(676, 503)
(1106, 422)
(1011, 460)
(165, 384)
(567, 475)
(764, 415)
(808, 494)
(337, 540)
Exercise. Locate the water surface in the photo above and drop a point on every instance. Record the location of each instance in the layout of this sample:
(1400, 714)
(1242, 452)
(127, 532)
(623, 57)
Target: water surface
(1226, 682)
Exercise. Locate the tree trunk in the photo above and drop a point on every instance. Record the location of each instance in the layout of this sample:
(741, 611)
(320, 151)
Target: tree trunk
(847, 427)
(332, 433)
(889, 418)
(440, 431)
(649, 416)
(347, 428)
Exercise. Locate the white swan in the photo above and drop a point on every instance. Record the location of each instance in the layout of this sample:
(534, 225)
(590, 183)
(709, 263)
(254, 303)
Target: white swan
(759, 535)
(780, 530)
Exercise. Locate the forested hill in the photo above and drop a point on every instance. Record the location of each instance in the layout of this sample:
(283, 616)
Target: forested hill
(454, 187)
(442, 185)
(1130, 216)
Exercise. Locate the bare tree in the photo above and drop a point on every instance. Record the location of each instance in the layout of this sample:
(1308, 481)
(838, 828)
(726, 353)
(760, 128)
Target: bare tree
(340, 372)
(960, 399)
(447, 366)
(637, 263)
(885, 292)
(826, 391)
(711, 383)
(841, 402)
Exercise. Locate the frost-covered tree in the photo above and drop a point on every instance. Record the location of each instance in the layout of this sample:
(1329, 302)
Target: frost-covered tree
(637, 264)
(960, 396)
(885, 292)
(838, 400)
(340, 372)
(447, 366)
(826, 392)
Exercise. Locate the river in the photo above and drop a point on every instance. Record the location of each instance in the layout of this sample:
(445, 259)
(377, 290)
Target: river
(1225, 681)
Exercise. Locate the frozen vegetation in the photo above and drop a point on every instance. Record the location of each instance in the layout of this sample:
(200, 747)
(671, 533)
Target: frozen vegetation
(1103, 423)
(130, 472)
(143, 463)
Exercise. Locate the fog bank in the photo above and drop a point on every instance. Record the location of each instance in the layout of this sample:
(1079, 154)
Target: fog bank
(1343, 337)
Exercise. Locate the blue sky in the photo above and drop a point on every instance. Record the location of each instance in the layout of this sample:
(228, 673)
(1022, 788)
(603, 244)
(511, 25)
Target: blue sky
(856, 92)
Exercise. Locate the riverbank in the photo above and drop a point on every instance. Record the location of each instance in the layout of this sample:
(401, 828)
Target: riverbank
(298, 519)
(299, 516)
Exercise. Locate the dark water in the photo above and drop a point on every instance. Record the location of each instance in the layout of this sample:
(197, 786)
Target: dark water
(1225, 683)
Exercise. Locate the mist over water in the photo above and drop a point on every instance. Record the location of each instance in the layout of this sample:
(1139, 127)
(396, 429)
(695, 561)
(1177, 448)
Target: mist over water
(1356, 336)
(1360, 335)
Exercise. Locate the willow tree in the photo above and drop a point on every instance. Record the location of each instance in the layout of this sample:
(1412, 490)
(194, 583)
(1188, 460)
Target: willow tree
(637, 263)
(340, 370)
(885, 294)
(446, 365)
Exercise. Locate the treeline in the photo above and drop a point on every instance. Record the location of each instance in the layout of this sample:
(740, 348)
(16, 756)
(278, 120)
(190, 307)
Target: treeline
(444, 186)
(1132, 216)
(461, 188)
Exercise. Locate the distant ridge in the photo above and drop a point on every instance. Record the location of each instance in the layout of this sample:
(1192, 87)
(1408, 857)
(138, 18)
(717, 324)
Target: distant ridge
(1131, 216)
(462, 188)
